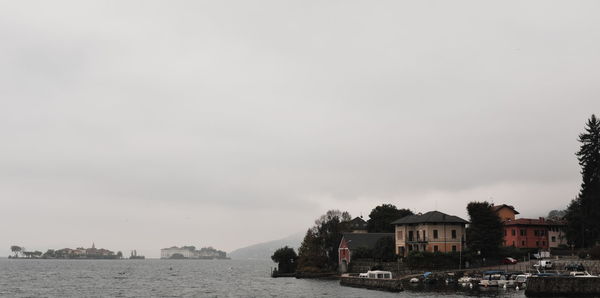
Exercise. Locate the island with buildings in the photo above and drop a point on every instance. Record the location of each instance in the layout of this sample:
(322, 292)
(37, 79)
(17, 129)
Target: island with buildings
(190, 252)
(65, 253)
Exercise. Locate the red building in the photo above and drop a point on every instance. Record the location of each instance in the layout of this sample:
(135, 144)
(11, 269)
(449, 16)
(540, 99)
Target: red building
(526, 233)
(352, 241)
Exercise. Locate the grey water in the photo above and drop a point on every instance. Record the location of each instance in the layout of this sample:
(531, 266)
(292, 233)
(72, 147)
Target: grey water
(180, 278)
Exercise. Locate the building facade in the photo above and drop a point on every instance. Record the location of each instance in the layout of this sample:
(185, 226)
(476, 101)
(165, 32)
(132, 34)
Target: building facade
(505, 212)
(353, 241)
(167, 253)
(526, 233)
(433, 231)
(358, 225)
(557, 235)
(537, 233)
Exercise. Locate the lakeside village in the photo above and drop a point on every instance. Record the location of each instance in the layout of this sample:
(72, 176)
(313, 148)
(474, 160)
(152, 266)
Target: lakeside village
(396, 249)
(174, 252)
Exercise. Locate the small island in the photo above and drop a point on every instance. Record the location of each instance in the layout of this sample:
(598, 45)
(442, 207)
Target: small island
(65, 253)
(190, 252)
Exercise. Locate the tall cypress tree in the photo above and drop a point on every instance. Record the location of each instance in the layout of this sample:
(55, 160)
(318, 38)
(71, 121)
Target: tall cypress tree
(583, 214)
(485, 230)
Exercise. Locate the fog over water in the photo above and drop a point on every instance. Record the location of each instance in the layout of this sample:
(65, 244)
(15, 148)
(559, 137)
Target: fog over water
(146, 124)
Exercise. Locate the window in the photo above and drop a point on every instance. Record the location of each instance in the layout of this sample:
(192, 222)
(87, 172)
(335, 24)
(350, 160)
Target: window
(537, 243)
(523, 232)
(454, 248)
(553, 238)
(424, 235)
(410, 235)
(435, 235)
(513, 244)
(543, 243)
(435, 248)
(522, 243)
(513, 232)
(453, 234)
(418, 235)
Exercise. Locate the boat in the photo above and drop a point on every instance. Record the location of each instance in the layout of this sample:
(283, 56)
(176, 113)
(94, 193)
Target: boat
(581, 274)
(376, 274)
(493, 279)
(521, 280)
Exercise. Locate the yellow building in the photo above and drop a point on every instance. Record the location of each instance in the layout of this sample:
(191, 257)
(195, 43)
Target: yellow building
(433, 231)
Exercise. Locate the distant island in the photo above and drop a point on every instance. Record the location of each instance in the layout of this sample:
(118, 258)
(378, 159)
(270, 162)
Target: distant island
(190, 252)
(65, 253)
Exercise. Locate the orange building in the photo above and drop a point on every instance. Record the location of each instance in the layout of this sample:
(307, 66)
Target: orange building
(505, 212)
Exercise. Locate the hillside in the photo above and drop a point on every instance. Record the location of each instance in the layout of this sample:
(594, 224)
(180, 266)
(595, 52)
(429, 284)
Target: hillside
(264, 250)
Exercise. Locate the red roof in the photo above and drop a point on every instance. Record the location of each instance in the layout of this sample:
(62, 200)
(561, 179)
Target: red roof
(527, 222)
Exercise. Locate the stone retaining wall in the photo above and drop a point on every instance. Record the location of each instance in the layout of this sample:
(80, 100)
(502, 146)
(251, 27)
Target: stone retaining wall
(391, 285)
(563, 286)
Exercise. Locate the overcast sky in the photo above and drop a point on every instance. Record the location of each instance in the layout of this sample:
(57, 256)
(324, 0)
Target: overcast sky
(142, 125)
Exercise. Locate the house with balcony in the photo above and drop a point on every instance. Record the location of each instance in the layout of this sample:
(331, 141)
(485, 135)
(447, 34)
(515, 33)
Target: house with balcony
(433, 231)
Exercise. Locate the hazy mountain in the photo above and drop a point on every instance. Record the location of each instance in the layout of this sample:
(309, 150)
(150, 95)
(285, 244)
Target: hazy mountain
(264, 250)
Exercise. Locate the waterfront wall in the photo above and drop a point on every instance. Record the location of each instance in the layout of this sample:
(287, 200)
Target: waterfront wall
(391, 285)
(563, 286)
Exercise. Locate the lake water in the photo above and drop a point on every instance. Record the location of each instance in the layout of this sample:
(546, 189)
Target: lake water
(177, 278)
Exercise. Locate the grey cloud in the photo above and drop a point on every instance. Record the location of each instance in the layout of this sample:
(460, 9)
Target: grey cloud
(279, 105)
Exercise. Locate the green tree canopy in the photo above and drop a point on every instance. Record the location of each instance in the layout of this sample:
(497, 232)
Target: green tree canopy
(485, 230)
(556, 214)
(320, 246)
(311, 254)
(286, 259)
(384, 249)
(381, 218)
(16, 250)
(583, 214)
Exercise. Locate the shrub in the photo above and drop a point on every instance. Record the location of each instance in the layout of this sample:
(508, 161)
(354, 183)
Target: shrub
(595, 253)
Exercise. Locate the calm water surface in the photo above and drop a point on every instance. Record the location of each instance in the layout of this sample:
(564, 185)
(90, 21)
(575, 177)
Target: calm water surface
(177, 278)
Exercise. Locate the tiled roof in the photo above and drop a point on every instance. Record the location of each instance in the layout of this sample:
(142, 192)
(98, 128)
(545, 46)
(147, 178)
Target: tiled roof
(498, 207)
(366, 240)
(358, 222)
(430, 217)
(526, 222)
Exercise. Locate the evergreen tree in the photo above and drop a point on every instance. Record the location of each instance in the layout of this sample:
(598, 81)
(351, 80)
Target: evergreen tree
(583, 214)
(485, 230)
(286, 259)
(319, 249)
(311, 255)
(381, 218)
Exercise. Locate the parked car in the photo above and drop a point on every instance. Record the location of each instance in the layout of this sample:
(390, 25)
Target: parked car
(509, 261)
